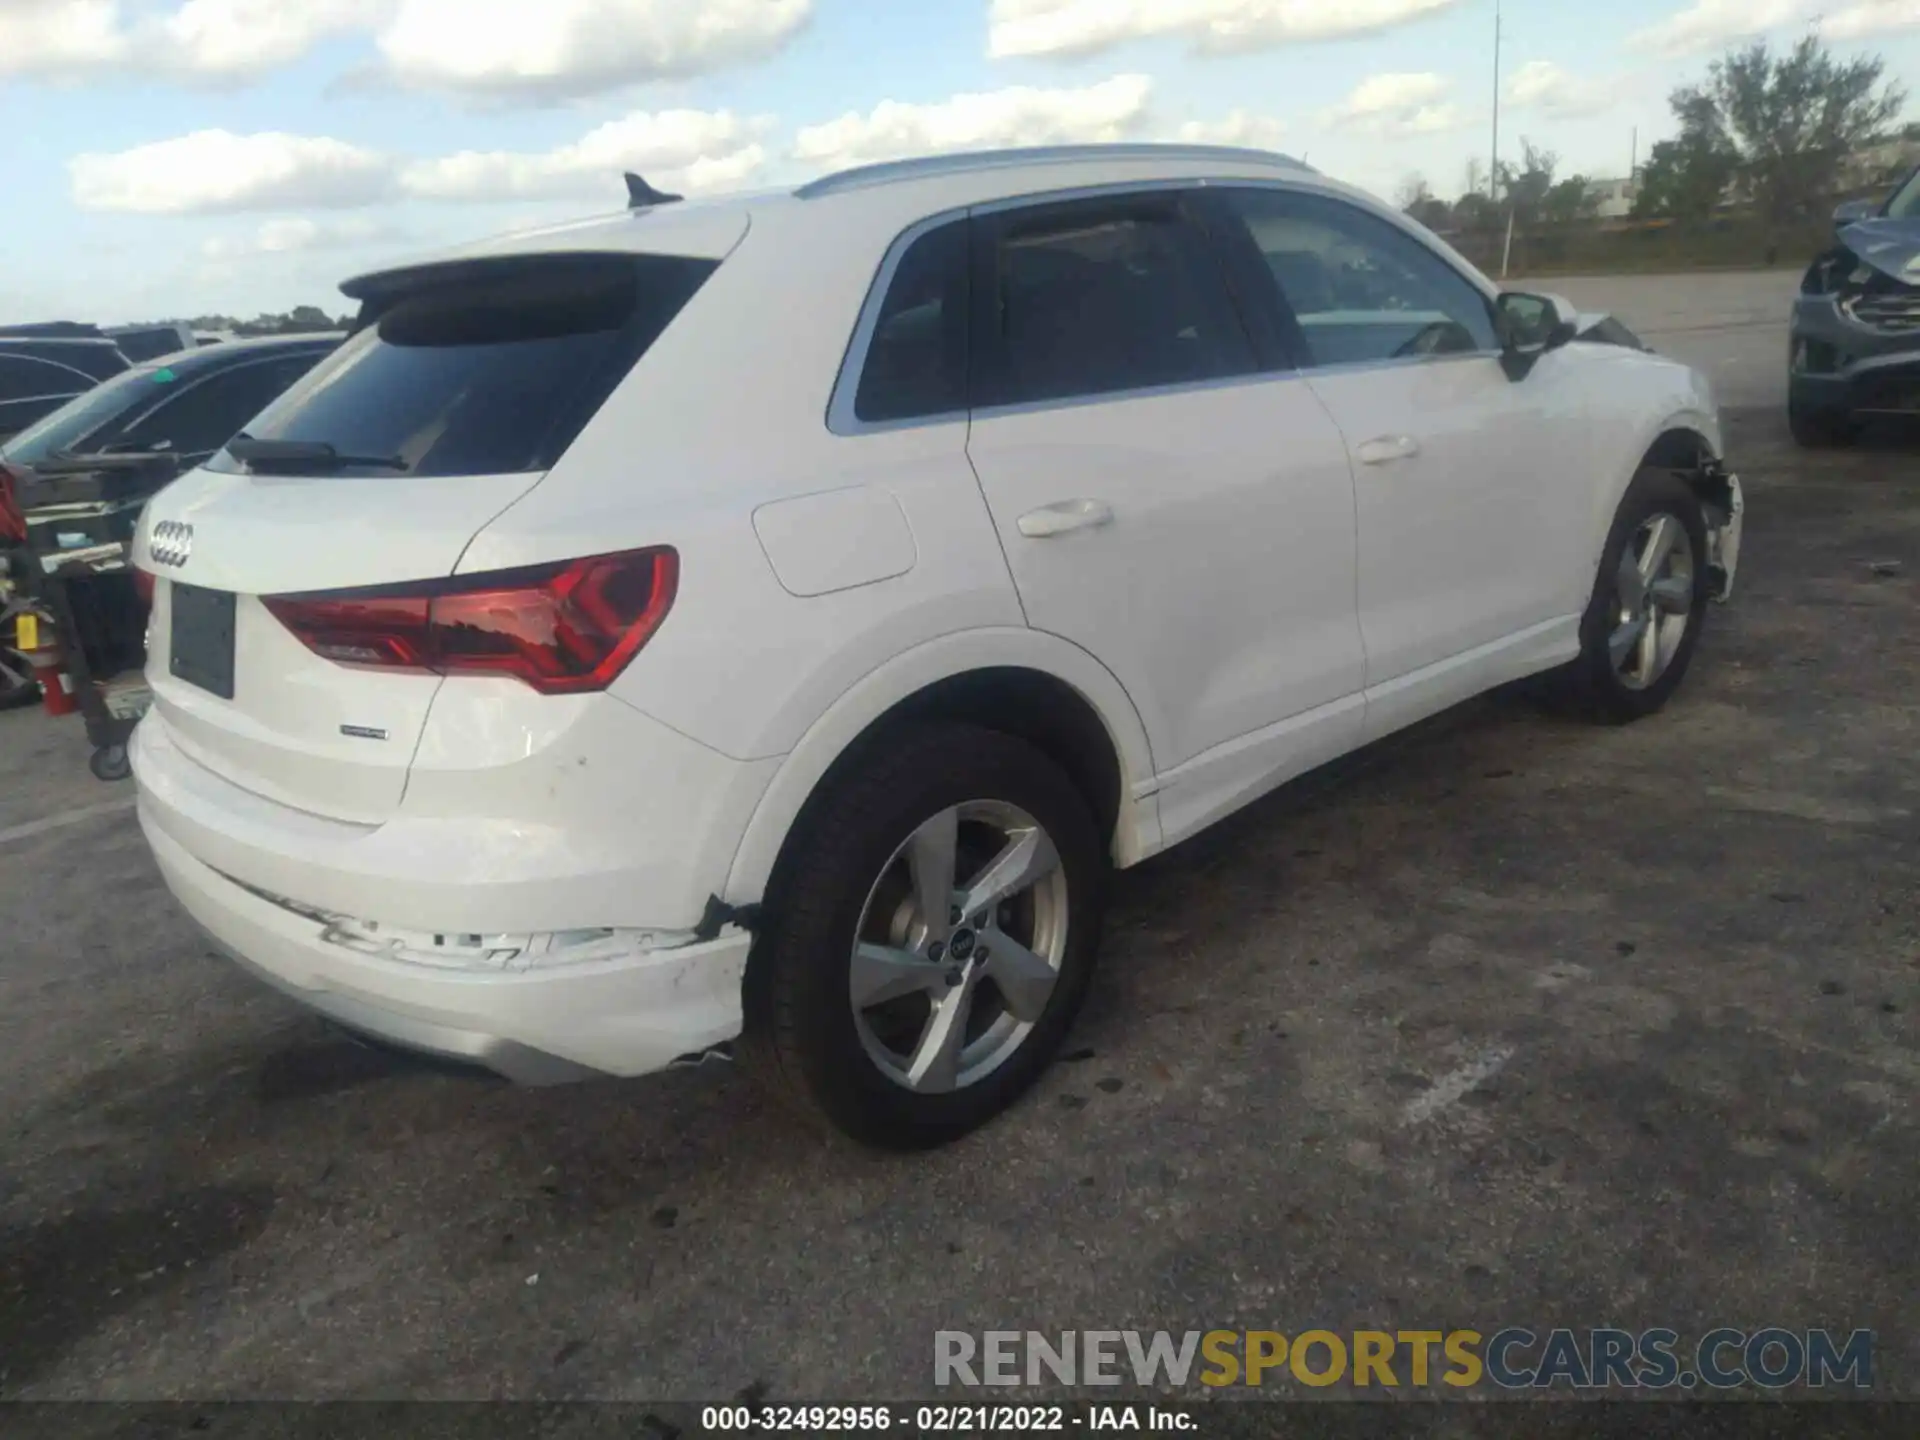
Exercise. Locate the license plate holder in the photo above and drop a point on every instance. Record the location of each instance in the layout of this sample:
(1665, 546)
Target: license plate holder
(202, 638)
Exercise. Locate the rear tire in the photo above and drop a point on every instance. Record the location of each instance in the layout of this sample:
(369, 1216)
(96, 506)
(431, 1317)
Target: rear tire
(1648, 607)
(851, 1037)
(1818, 429)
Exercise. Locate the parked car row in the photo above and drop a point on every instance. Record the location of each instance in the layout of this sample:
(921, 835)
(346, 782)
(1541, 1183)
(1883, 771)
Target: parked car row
(771, 617)
(73, 483)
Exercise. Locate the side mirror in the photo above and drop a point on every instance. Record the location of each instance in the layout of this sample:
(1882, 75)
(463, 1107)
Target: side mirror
(1853, 212)
(1530, 326)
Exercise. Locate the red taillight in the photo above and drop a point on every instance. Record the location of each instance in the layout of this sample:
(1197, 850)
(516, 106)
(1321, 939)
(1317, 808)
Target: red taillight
(143, 584)
(563, 629)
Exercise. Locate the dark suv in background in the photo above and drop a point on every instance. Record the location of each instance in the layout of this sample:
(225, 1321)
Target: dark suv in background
(1855, 344)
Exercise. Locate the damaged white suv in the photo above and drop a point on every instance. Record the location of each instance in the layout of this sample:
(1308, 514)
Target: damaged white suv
(772, 616)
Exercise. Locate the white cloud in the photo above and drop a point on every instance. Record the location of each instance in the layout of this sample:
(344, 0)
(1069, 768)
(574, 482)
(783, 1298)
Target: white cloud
(246, 37)
(60, 37)
(199, 39)
(495, 49)
(295, 234)
(1017, 116)
(1545, 86)
(1870, 17)
(556, 49)
(1396, 104)
(1708, 24)
(214, 170)
(1082, 27)
(1237, 127)
(674, 149)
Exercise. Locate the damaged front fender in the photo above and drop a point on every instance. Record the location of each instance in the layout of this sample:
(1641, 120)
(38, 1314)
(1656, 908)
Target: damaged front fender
(1725, 506)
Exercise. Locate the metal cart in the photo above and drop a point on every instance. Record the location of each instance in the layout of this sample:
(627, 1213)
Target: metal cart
(81, 515)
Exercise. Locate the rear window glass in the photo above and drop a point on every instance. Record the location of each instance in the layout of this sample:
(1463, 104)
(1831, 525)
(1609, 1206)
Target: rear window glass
(82, 416)
(491, 371)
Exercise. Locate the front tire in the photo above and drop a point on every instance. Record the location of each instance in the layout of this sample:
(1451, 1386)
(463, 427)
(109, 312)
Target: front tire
(930, 937)
(1648, 607)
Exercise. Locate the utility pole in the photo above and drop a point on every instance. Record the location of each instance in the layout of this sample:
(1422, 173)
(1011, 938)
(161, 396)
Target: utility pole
(1493, 172)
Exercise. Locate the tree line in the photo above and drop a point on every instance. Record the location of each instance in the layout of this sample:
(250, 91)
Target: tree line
(301, 320)
(1780, 134)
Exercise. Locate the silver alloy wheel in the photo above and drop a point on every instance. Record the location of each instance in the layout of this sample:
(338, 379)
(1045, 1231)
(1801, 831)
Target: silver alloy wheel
(1653, 601)
(949, 975)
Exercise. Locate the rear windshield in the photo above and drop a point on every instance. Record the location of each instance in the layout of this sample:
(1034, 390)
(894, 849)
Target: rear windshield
(492, 371)
(81, 416)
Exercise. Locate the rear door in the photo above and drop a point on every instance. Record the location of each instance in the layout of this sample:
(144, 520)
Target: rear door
(451, 403)
(1165, 498)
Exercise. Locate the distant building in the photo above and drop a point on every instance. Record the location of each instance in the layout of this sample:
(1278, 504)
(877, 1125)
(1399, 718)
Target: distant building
(1612, 199)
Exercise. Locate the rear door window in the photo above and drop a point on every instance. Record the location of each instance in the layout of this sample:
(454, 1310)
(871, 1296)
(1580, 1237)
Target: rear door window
(486, 369)
(1097, 297)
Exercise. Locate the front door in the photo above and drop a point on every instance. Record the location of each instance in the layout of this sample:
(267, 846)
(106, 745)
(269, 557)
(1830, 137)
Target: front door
(1466, 531)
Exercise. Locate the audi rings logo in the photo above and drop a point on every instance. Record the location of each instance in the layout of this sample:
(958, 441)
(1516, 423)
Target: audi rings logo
(171, 543)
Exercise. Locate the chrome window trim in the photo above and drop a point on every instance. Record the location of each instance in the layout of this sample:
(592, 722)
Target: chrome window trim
(842, 421)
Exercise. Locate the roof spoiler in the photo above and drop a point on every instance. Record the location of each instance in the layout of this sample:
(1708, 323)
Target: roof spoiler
(642, 196)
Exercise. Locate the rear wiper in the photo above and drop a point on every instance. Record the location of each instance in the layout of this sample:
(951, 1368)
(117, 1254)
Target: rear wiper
(273, 454)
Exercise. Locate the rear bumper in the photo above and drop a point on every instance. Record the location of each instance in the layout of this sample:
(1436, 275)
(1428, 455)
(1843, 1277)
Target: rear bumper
(617, 822)
(624, 1018)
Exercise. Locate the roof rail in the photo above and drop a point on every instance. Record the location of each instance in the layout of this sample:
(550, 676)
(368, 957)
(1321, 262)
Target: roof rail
(930, 166)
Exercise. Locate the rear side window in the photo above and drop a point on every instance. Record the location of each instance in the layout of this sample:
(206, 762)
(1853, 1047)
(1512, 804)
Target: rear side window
(488, 369)
(916, 363)
(1097, 297)
(203, 417)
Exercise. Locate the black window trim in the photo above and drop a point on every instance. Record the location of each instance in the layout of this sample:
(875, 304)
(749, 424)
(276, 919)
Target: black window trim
(1275, 315)
(1265, 329)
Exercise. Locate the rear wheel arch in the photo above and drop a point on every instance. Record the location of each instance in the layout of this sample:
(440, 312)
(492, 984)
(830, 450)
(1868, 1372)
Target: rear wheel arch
(1040, 689)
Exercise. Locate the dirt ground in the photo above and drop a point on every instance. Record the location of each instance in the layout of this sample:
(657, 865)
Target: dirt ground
(1512, 1021)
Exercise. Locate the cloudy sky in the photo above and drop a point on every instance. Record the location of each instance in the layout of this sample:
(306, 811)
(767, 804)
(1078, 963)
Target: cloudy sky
(183, 156)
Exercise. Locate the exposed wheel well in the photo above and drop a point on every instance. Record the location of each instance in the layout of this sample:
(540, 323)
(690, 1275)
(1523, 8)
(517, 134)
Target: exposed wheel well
(1046, 712)
(1680, 450)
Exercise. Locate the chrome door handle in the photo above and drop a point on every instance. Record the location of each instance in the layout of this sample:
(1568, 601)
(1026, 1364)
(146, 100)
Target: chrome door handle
(1388, 448)
(1063, 518)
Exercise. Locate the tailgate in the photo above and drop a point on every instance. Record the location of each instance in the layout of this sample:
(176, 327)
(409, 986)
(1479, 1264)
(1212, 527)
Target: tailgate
(286, 724)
